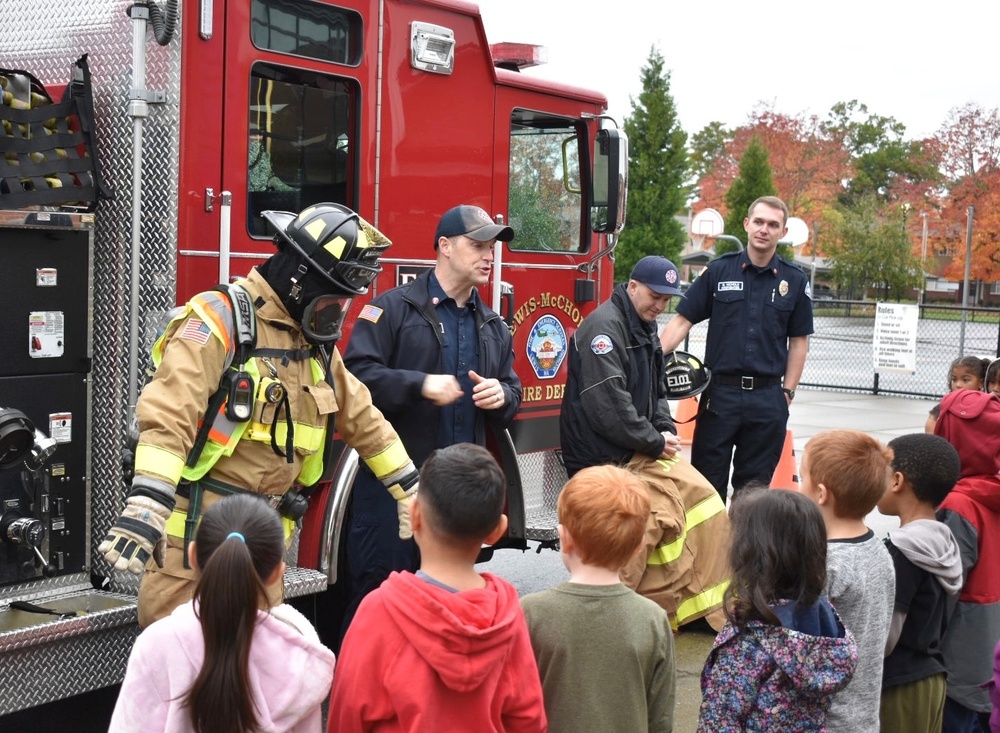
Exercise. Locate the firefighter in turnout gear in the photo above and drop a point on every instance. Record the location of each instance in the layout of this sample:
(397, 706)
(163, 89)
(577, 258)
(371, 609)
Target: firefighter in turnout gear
(210, 425)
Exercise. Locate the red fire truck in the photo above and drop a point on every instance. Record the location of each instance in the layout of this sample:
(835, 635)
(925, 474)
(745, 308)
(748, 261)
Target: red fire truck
(208, 112)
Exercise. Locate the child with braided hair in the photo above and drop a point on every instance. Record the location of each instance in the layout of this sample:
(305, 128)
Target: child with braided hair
(224, 662)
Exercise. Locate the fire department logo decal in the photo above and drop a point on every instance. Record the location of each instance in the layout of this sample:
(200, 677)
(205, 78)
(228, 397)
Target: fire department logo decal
(546, 346)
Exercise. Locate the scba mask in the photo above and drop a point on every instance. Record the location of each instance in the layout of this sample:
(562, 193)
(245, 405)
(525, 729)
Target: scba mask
(323, 318)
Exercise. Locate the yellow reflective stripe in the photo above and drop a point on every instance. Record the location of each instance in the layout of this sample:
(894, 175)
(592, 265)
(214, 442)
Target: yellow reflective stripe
(388, 461)
(289, 526)
(312, 469)
(700, 603)
(151, 459)
(306, 437)
(700, 512)
(175, 525)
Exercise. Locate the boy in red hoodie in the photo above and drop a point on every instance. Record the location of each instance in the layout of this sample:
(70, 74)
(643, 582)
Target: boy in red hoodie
(970, 421)
(447, 648)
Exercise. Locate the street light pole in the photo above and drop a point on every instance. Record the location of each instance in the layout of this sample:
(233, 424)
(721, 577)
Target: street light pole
(923, 259)
(812, 273)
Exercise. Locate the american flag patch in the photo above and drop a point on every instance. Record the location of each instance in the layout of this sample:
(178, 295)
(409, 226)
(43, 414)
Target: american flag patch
(196, 330)
(370, 313)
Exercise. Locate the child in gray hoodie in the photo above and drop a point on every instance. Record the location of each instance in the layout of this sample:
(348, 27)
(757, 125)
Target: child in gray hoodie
(928, 578)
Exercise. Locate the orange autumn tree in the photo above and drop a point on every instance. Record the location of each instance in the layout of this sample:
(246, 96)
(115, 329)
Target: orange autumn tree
(969, 147)
(981, 191)
(807, 168)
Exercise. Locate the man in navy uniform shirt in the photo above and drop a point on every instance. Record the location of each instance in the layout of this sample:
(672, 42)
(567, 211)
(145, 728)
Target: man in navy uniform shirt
(760, 311)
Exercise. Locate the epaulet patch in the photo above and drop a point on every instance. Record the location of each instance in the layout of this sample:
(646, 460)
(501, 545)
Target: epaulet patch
(371, 313)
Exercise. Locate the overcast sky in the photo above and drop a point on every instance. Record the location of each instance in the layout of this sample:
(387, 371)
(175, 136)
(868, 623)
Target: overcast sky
(913, 61)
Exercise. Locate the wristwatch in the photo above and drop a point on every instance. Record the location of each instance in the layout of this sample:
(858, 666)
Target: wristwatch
(789, 392)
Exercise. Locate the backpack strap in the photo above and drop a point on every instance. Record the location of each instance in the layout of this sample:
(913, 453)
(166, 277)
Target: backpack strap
(245, 331)
(244, 320)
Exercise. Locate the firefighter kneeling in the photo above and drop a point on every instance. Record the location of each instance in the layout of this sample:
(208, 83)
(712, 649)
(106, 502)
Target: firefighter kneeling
(246, 387)
(616, 410)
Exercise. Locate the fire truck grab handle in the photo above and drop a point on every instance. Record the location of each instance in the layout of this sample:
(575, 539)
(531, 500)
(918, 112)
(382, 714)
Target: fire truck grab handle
(225, 219)
(507, 311)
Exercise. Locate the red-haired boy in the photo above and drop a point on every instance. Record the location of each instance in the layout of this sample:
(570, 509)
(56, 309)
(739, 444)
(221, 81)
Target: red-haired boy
(605, 653)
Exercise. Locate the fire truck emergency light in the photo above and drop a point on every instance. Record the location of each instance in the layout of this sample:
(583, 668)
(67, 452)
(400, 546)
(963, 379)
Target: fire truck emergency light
(518, 55)
(432, 48)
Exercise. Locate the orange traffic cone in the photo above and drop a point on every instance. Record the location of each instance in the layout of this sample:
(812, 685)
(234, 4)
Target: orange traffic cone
(687, 410)
(786, 475)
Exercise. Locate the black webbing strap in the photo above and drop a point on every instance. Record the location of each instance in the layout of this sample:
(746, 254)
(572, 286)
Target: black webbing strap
(194, 492)
(245, 331)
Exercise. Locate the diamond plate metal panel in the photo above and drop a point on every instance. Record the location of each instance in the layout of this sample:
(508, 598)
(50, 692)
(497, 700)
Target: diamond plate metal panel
(542, 478)
(44, 660)
(57, 665)
(103, 30)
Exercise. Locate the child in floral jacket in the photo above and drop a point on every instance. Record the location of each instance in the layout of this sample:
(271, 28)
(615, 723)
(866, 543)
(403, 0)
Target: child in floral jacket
(784, 652)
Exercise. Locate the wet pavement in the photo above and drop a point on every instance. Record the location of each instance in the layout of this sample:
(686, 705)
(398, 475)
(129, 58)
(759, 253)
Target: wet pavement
(812, 412)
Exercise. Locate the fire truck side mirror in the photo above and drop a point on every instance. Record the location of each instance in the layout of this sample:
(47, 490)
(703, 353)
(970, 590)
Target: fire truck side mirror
(609, 181)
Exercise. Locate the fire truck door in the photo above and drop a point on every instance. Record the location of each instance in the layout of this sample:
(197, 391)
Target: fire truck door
(546, 202)
(290, 125)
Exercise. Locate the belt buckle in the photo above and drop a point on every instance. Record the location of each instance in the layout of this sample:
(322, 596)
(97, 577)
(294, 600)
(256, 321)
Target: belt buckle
(746, 383)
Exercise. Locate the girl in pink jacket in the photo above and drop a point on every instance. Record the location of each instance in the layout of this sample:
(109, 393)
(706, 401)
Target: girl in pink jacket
(224, 662)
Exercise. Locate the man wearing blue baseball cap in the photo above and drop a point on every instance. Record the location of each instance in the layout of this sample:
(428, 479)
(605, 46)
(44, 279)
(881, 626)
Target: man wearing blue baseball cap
(615, 410)
(440, 364)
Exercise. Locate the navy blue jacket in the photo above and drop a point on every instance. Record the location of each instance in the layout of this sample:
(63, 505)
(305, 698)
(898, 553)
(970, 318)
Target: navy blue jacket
(615, 402)
(396, 342)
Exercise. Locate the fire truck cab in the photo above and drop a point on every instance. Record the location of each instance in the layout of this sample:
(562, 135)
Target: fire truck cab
(399, 109)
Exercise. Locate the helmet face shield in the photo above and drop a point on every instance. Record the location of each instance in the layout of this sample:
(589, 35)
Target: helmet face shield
(323, 318)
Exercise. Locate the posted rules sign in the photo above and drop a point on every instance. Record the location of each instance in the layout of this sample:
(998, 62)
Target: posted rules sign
(895, 337)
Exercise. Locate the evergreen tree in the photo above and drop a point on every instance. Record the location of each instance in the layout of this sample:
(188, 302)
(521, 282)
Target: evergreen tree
(658, 169)
(754, 181)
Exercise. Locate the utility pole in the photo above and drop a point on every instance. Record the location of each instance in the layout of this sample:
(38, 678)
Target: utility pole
(812, 273)
(969, 213)
(923, 259)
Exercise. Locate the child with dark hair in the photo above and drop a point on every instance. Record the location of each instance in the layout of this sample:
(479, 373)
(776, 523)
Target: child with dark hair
(784, 652)
(224, 662)
(605, 653)
(970, 421)
(966, 372)
(445, 648)
(928, 569)
(993, 378)
(846, 472)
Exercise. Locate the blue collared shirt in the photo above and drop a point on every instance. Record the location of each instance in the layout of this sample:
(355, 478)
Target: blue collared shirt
(460, 354)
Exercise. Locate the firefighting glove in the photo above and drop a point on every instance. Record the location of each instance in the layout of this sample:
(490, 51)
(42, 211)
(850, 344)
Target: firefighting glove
(138, 534)
(403, 491)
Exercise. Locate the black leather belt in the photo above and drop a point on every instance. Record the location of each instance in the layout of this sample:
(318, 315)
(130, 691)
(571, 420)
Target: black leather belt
(746, 382)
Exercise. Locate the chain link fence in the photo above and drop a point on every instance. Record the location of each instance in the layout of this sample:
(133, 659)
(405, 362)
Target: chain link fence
(841, 350)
